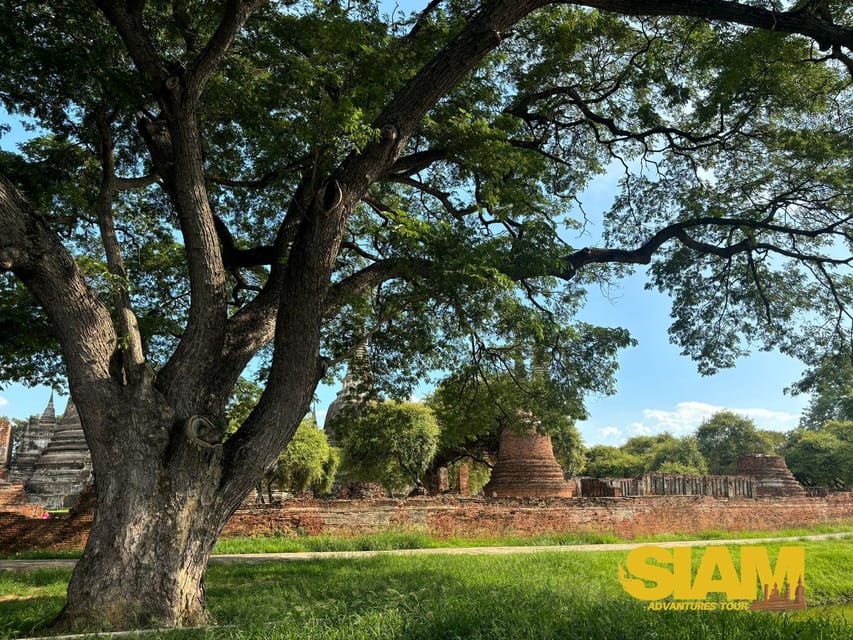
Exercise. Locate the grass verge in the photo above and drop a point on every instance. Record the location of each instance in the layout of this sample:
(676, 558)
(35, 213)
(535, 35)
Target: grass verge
(417, 540)
(544, 596)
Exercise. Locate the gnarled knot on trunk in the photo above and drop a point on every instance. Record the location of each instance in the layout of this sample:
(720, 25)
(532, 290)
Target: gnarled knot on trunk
(203, 432)
(330, 196)
(10, 257)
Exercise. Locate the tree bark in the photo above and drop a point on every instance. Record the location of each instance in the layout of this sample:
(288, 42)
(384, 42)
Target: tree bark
(158, 516)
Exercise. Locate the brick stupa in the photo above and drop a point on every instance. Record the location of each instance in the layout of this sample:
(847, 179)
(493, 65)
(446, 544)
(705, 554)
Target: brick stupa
(771, 475)
(526, 467)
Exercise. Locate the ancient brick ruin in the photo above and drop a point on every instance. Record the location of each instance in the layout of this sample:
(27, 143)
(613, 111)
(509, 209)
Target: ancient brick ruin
(64, 467)
(663, 484)
(771, 476)
(758, 476)
(526, 467)
(31, 442)
(5, 447)
(52, 460)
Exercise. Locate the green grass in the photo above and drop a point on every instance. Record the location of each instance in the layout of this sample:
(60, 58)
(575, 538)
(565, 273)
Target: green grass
(395, 540)
(555, 595)
(720, 534)
(417, 540)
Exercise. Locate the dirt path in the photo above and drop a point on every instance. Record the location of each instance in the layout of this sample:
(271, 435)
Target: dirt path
(255, 558)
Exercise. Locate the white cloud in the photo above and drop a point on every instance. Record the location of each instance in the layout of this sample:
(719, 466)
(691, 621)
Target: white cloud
(687, 417)
(610, 432)
(639, 429)
(3, 401)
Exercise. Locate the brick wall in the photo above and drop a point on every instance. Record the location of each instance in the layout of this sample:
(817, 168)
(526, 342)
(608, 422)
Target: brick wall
(627, 517)
(456, 516)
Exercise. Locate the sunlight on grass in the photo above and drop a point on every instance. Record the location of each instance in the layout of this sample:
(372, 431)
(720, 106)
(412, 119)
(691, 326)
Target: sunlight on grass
(554, 595)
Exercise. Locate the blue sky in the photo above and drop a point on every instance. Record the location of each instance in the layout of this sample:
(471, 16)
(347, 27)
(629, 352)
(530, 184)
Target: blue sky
(658, 389)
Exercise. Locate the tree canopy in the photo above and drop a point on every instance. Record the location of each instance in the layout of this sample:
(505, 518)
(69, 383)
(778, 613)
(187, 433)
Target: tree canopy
(726, 436)
(391, 443)
(508, 391)
(822, 458)
(214, 182)
(307, 461)
(662, 453)
(830, 385)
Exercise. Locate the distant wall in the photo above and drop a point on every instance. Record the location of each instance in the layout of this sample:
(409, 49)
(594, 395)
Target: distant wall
(453, 516)
(664, 484)
(627, 517)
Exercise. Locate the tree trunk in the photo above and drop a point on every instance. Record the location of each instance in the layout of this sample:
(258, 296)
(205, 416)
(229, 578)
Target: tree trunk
(160, 510)
(153, 577)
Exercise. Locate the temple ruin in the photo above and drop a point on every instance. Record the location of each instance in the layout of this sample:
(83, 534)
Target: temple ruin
(64, 467)
(526, 467)
(51, 459)
(31, 442)
(771, 476)
(356, 390)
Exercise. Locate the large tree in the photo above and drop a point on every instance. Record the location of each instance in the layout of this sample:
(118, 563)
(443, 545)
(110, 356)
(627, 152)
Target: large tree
(726, 436)
(214, 181)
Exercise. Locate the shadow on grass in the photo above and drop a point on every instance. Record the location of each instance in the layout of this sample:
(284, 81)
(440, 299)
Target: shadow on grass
(543, 596)
(549, 596)
(30, 600)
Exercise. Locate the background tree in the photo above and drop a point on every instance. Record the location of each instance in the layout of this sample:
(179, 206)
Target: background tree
(214, 182)
(391, 443)
(675, 455)
(773, 440)
(661, 453)
(307, 461)
(604, 461)
(724, 437)
(509, 389)
(830, 383)
(822, 458)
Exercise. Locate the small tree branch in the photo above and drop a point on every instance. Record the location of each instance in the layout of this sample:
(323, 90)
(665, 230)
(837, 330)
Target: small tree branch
(236, 14)
(126, 184)
(415, 162)
(130, 338)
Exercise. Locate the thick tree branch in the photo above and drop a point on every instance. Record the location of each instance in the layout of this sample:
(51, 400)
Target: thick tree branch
(307, 278)
(126, 17)
(678, 231)
(409, 165)
(33, 252)
(176, 151)
(232, 256)
(371, 277)
(802, 22)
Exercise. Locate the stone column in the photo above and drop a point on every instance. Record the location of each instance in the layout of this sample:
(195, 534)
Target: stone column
(5, 445)
(464, 480)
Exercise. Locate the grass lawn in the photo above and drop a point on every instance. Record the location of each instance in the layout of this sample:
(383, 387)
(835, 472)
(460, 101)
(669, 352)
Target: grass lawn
(417, 540)
(559, 595)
